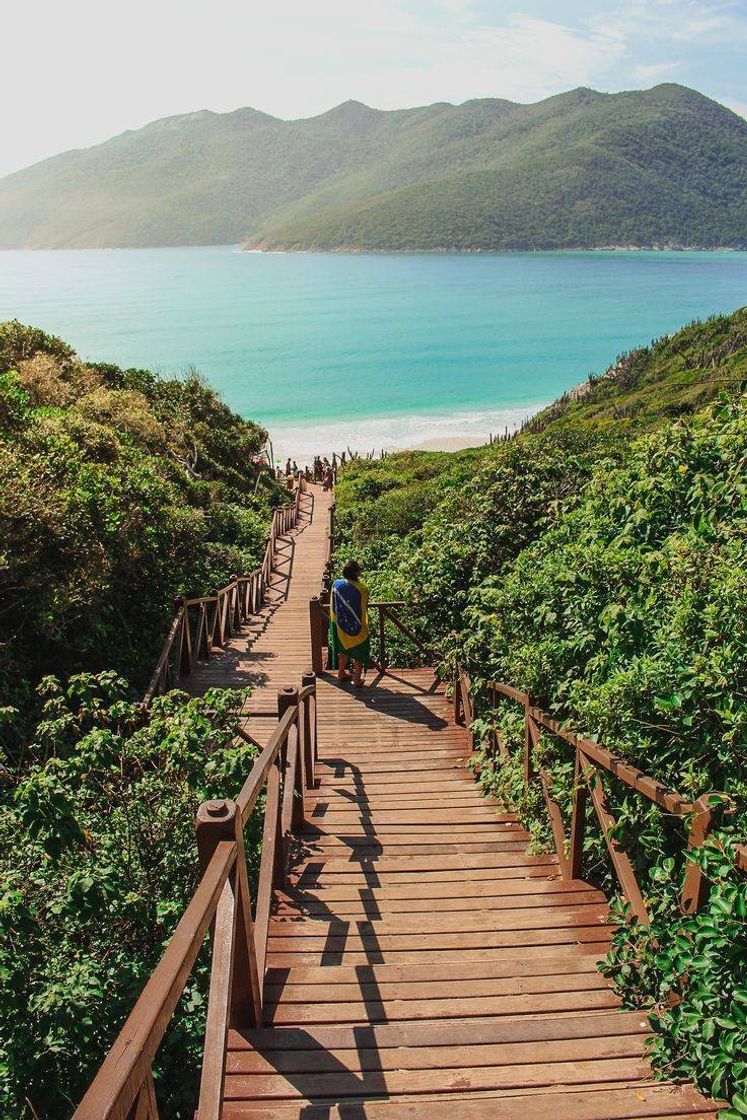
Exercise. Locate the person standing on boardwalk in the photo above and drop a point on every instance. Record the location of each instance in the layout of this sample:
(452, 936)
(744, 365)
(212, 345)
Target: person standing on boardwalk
(349, 638)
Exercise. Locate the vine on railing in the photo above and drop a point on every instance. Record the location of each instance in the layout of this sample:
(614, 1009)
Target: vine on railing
(206, 623)
(591, 762)
(123, 1088)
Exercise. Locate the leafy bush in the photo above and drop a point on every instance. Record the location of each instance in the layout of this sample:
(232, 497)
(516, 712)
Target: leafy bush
(98, 861)
(118, 491)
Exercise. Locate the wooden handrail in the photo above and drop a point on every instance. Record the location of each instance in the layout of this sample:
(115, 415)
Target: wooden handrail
(205, 622)
(591, 761)
(252, 787)
(120, 1078)
(123, 1087)
(654, 791)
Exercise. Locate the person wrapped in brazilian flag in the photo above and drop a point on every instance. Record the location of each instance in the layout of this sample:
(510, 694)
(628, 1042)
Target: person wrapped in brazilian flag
(349, 638)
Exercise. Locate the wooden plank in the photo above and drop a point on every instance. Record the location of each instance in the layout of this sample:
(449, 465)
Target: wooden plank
(464, 988)
(365, 955)
(377, 1009)
(520, 918)
(432, 1034)
(378, 907)
(632, 1102)
(457, 1080)
(423, 889)
(323, 1060)
(561, 962)
(445, 867)
(353, 940)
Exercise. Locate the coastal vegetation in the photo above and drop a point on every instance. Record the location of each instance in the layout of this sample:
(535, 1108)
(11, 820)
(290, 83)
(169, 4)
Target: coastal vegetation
(598, 560)
(119, 490)
(657, 168)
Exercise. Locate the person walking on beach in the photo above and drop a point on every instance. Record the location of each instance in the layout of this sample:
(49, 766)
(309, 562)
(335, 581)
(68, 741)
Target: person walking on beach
(349, 638)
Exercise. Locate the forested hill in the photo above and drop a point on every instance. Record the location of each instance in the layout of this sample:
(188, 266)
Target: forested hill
(662, 167)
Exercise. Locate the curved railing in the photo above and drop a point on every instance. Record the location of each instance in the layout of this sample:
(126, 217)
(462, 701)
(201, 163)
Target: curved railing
(123, 1088)
(205, 623)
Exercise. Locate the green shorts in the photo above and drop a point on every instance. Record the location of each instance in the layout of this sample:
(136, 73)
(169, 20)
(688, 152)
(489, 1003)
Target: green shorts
(360, 653)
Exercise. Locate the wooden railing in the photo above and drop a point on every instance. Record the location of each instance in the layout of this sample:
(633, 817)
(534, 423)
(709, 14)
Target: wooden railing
(592, 761)
(384, 612)
(123, 1088)
(208, 621)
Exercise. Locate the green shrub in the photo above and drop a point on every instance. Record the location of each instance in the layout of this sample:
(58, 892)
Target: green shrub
(98, 862)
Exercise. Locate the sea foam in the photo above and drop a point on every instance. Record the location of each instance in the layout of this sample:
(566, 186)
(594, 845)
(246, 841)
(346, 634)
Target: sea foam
(392, 433)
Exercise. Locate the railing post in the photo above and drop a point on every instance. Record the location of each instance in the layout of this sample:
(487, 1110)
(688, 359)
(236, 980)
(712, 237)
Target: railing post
(236, 604)
(216, 637)
(529, 726)
(382, 640)
(578, 821)
(457, 698)
(309, 730)
(695, 887)
(315, 627)
(231, 606)
(288, 698)
(217, 821)
(184, 662)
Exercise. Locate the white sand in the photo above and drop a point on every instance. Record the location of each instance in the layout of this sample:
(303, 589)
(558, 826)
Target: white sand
(444, 432)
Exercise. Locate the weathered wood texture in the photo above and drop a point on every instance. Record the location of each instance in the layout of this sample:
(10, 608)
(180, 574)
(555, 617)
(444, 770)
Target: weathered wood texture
(420, 963)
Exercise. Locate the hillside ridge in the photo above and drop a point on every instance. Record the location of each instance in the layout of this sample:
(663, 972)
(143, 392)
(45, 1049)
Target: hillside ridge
(663, 168)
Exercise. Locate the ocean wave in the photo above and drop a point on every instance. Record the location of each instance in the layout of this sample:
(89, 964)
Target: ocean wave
(394, 433)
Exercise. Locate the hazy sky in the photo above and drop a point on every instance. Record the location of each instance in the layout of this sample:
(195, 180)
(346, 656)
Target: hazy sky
(76, 72)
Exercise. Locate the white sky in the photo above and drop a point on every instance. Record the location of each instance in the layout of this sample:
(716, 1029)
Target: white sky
(75, 72)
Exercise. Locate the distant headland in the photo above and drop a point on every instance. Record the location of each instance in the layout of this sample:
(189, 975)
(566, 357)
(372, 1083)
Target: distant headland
(659, 168)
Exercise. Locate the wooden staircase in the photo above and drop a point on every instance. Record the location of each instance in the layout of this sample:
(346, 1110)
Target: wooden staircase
(420, 962)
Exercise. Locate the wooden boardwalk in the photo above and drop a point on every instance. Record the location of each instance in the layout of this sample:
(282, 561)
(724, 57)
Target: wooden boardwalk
(420, 963)
(273, 651)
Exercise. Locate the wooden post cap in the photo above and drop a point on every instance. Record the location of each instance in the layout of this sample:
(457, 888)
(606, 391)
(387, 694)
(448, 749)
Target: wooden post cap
(287, 698)
(215, 813)
(309, 677)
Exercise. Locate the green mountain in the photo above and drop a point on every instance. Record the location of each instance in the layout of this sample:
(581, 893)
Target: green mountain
(661, 167)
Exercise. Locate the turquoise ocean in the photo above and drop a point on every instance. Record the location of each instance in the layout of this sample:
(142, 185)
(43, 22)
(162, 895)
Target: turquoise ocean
(369, 350)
